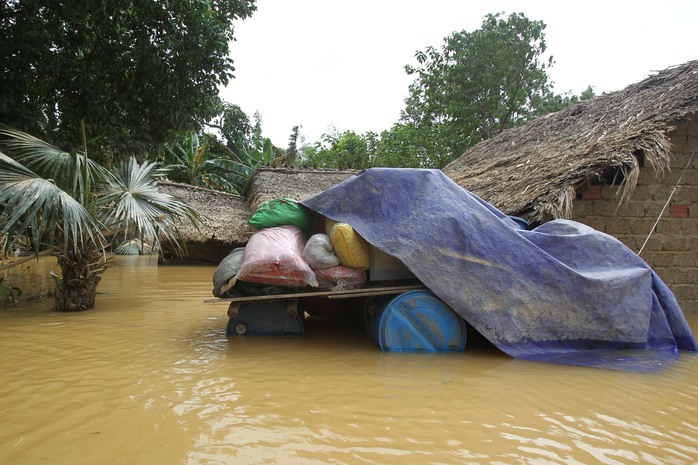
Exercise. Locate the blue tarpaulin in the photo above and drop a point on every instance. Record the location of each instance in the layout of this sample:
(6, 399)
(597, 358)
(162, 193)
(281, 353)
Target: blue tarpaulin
(562, 292)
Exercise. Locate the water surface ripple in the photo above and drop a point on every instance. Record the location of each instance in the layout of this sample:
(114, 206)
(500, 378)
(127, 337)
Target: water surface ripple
(149, 377)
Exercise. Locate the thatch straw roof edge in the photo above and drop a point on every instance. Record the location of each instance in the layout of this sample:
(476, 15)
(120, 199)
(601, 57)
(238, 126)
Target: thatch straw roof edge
(224, 216)
(534, 170)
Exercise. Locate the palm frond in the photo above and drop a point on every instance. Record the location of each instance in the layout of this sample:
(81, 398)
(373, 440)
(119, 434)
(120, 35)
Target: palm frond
(36, 207)
(230, 166)
(132, 201)
(221, 183)
(50, 162)
(11, 171)
(228, 174)
(25, 146)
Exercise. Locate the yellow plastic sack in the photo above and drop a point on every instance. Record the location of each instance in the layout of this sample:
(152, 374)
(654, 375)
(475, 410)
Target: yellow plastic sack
(351, 249)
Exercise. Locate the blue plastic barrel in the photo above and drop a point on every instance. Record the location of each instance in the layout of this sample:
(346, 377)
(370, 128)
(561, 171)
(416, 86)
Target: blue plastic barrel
(418, 321)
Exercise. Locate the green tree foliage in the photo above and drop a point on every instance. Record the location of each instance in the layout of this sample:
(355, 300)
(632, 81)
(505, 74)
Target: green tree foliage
(347, 150)
(252, 158)
(233, 124)
(479, 83)
(257, 140)
(471, 88)
(71, 206)
(245, 146)
(556, 102)
(135, 70)
(190, 161)
(411, 145)
(291, 152)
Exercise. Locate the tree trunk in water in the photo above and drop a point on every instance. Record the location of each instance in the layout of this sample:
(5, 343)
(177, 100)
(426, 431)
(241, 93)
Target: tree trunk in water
(82, 271)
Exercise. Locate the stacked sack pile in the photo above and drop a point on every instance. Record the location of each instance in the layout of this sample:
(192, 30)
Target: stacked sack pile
(293, 249)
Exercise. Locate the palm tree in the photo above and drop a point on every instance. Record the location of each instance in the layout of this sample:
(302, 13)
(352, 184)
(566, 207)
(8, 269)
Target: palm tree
(69, 206)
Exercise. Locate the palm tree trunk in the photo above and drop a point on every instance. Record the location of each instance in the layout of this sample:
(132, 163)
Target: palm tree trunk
(82, 271)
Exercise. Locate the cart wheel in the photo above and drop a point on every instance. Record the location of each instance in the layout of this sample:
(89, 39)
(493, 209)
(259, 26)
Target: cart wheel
(240, 329)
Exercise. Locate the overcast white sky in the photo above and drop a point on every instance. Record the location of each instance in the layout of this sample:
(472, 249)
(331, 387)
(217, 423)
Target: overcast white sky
(337, 63)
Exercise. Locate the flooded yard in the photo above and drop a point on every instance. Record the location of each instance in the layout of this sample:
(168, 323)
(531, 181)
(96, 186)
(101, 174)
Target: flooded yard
(150, 377)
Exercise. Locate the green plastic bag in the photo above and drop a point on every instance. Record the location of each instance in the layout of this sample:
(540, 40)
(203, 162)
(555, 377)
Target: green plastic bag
(281, 212)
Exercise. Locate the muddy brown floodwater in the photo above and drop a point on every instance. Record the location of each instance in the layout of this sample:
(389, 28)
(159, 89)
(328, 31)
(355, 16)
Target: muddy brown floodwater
(149, 377)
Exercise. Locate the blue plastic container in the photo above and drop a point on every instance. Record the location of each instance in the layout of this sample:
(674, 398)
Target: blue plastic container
(520, 222)
(265, 318)
(418, 321)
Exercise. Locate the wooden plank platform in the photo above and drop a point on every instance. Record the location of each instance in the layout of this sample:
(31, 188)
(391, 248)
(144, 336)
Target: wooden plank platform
(345, 294)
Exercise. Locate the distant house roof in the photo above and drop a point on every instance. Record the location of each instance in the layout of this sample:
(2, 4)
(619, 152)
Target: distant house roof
(225, 217)
(271, 183)
(534, 170)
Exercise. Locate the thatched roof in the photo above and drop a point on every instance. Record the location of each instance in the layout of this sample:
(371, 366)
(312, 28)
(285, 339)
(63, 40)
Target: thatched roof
(272, 183)
(534, 170)
(225, 216)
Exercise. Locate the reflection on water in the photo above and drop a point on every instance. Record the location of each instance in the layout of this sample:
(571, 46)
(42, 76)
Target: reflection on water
(149, 377)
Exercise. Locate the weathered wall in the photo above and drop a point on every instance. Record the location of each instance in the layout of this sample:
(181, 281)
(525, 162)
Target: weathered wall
(672, 248)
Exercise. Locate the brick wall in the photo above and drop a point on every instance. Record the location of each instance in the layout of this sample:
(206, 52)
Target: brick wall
(672, 248)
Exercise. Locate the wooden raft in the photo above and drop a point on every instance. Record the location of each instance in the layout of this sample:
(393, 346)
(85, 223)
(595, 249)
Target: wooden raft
(345, 294)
